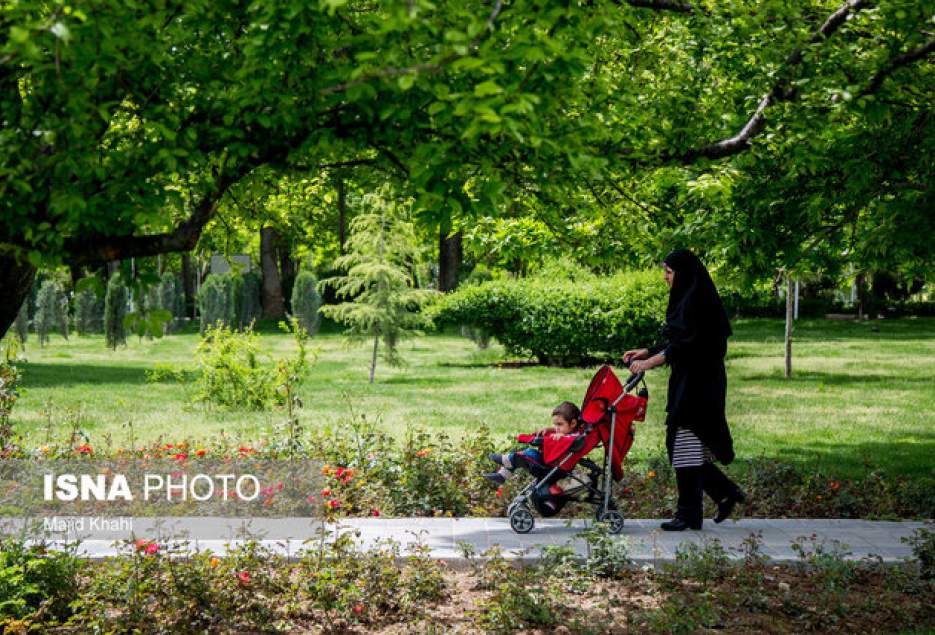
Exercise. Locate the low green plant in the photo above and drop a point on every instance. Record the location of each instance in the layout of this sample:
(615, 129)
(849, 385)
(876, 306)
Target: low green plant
(36, 584)
(922, 542)
(608, 555)
(9, 393)
(232, 375)
(707, 562)
(518, 597)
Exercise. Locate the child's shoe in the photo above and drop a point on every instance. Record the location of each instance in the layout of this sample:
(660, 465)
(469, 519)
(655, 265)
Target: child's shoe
(495, 477)
(496, 458)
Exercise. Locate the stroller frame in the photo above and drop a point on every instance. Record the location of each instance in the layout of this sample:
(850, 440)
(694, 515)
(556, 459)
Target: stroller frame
(521, 519)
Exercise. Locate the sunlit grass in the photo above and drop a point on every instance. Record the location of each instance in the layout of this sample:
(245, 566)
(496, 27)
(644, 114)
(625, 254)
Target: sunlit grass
(861, 392)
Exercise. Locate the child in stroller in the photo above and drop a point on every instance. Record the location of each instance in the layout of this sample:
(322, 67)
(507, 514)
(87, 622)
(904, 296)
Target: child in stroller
(606, 418)
(547, 497)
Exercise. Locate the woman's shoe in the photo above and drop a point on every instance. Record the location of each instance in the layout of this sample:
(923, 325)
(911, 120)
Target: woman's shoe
(677, 524)
(726, 506)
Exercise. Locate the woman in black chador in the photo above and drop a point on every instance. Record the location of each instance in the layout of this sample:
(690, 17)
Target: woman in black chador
(695, 333)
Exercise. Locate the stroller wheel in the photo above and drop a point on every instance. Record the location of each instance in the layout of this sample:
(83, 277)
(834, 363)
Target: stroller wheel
(521, 520)
(614, 520)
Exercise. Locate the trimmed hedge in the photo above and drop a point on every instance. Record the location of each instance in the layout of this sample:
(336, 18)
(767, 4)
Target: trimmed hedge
(561, 322)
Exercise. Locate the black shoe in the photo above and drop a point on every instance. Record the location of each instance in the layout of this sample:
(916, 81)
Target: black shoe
(495, 477)
(496, 458)
(726, 506)
(677, 524)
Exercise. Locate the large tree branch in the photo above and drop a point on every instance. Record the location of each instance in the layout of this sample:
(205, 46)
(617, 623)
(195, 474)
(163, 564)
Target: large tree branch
(897, 62)
(779, 92)
(661, 5)
(183, 238)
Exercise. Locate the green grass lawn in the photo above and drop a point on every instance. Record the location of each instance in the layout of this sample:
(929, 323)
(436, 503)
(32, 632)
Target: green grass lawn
(861, 392)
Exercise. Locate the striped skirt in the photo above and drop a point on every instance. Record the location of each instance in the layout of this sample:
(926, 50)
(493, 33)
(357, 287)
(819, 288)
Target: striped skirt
(689, 451)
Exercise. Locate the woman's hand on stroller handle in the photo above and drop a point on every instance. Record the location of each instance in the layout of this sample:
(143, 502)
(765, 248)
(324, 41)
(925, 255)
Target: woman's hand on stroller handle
(634, 354)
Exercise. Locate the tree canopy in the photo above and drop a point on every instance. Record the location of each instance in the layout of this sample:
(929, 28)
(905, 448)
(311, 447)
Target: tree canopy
(758, 130)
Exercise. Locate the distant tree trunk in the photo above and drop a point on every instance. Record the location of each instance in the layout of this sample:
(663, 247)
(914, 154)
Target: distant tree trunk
(273, 305)
(288, 269)
(188, 284)
(16, 279)
(789, 320)
(373, 359)
(342, 211)
(449, 260)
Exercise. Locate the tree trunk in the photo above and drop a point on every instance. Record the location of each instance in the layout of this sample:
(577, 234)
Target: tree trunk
(789, 320)
(188, 284)
(16, 279)
(373, 359)
(449, 260)
(273, 306)
(342, 212)
(287, 272)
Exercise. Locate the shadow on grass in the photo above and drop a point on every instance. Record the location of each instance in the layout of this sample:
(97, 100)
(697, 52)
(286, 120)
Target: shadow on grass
(38, 374)
(909, 458)
(819, 377)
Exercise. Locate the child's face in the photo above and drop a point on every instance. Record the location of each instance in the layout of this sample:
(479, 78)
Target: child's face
(563, 425)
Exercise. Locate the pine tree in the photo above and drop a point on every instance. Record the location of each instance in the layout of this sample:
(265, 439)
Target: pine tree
(21, 326)
(115, 310)
(306, 301)
(383, 304)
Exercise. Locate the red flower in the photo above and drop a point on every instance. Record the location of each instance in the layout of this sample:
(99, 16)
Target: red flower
(243, 577)
(334, 504)
(339, 473)
(279, 487)
(200, 452)
(310, 499)
(627, 491)
(181, 456)
(84, 449)
(169, 446)
(347, 478)
(140, 544)
(152, 548)
(499, 492)
(358, 608)
(375, 512)
(246, 450)
(325, 492)
(835, 485)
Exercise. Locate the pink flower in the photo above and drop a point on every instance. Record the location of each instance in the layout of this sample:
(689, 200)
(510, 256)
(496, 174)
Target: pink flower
(375, 513)
(243, 577)
(334, 504)
(339, 473)
(310, 499)
(358, 608)
(152, 548)
(181, 456)
(279, 487)
(140, 544)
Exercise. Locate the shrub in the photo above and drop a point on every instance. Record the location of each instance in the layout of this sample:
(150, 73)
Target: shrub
(560, 322)
(33, 579)
(165, 296)
(306, 301)
(51, 313)
(115, 310)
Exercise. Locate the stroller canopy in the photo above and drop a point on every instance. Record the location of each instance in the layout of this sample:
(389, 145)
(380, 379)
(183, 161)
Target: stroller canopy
(603, 395)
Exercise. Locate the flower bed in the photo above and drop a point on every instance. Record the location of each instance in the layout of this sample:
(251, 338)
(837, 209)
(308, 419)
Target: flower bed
(366, 473)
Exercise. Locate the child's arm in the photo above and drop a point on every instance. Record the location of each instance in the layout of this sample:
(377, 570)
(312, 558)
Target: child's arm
(535, 438)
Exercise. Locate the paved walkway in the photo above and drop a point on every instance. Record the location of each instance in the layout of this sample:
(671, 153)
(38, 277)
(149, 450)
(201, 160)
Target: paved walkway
(647, 544)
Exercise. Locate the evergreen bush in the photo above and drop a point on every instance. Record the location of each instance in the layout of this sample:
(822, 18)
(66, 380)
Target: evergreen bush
(21, 325)
(216, 305)
(561, 322)
(51, 313)
(89, 306)
(306, 301)
(251, 304)
(115, 310)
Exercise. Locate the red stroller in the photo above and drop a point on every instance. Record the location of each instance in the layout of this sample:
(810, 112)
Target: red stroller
(607, 417)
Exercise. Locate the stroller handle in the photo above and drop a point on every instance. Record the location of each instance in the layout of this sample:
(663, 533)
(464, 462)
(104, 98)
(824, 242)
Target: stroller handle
(632, 381)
